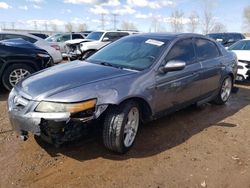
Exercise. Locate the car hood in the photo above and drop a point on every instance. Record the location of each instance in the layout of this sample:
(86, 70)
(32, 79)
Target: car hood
(67, 76)
(75, 41)
(242, 54)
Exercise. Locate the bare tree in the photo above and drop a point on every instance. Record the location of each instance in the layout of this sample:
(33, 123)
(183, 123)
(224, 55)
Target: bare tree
(69, 27)
(193, 22)
(246, 16)
(207, 19)
(218, 28)
(155, 24)
(82, 27)
(3, 25)
(13, 25)
(177, 21)
(128, 26)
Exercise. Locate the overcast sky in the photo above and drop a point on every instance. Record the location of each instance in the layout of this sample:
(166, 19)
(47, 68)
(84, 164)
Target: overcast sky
(140, 12)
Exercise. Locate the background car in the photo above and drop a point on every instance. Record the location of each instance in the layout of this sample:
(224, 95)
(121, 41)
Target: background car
(40, 35)
(226, 39)
(98, 39)
(85, 33)
(18, 59)
(52, 49)
(242, 50)
(61, 38)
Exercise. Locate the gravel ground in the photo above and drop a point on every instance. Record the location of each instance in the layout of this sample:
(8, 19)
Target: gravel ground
(195, 147)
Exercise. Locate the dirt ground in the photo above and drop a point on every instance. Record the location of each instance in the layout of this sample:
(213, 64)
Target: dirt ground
(207, 146)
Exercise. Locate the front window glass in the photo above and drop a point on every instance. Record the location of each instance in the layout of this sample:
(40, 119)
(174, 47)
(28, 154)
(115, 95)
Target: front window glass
(53, 38)
(183, 51)
(136, 52)
(95, 35)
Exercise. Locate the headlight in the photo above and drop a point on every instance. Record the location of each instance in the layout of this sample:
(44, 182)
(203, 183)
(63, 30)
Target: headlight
(53, 107)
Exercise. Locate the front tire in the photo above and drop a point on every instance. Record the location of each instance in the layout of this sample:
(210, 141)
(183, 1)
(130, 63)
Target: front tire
(120, 127)
(225, 91)
(14, 73)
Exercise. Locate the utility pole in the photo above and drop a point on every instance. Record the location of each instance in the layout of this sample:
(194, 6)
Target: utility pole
(46, 26)
(114, 20)
(35, 25)
(102, 21)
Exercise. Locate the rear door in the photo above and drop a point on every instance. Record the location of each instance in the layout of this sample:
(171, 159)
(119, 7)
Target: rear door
(210, 58)
(177, 87)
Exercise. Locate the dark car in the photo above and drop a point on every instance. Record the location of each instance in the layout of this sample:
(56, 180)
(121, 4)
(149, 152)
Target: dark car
(226, 39)
(18, 59)
(135, 79)
(40, 35)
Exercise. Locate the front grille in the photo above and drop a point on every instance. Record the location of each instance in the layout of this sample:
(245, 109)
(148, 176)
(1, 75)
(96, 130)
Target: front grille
(19, 102)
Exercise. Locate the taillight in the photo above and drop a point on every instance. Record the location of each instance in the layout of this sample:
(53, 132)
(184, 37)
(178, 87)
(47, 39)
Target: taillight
(55, 46)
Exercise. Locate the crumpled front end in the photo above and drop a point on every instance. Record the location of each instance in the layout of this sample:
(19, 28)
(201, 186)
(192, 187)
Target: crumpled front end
(55, 128)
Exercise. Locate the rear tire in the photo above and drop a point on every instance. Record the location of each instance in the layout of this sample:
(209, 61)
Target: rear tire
(225, 91)
(120, 127)
(14, 73)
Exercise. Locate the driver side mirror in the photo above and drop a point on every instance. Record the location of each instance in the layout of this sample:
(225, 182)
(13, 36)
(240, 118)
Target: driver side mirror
(105, 39)
(173, 65)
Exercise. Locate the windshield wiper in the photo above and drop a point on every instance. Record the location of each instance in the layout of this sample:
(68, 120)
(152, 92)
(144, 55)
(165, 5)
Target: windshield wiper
(110, 65)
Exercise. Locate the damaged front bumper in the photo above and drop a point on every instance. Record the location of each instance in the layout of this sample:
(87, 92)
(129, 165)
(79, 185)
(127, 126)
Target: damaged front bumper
(54, 127)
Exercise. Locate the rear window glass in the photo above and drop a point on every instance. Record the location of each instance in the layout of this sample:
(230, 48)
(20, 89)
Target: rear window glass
(206, 49)
(14, 36)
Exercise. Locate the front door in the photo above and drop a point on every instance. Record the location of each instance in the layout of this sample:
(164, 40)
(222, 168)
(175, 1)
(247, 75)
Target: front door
(178, 87)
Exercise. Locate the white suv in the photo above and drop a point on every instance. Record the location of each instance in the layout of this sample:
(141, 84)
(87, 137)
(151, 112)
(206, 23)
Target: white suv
(98, 39)
(242, 50)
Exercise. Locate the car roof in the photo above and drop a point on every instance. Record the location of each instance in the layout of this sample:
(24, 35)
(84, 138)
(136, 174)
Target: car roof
(19, 33)
(225, 33)
(171, 35)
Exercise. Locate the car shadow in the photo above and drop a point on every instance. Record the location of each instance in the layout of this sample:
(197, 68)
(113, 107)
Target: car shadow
(160, 135)
(3, 94)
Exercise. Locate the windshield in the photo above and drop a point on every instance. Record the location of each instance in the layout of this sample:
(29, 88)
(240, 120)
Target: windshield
(240, 45)
(94, 35)
(135, 52)
(218, 37)
(52, 38)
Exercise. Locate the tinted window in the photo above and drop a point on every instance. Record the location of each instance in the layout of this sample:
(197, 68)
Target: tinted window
(216, 36)
(240, 45)
(77, 36)
(131, 52)
(182, 50)
(14, 36)
(95, 35)
(247, 46)
(206, 49)
(123, 34)
(112, 36)
(234, 37)
(63, 38)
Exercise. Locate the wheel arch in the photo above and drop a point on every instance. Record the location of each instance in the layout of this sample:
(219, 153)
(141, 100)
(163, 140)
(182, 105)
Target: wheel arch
(26, 62)
(144, 107)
